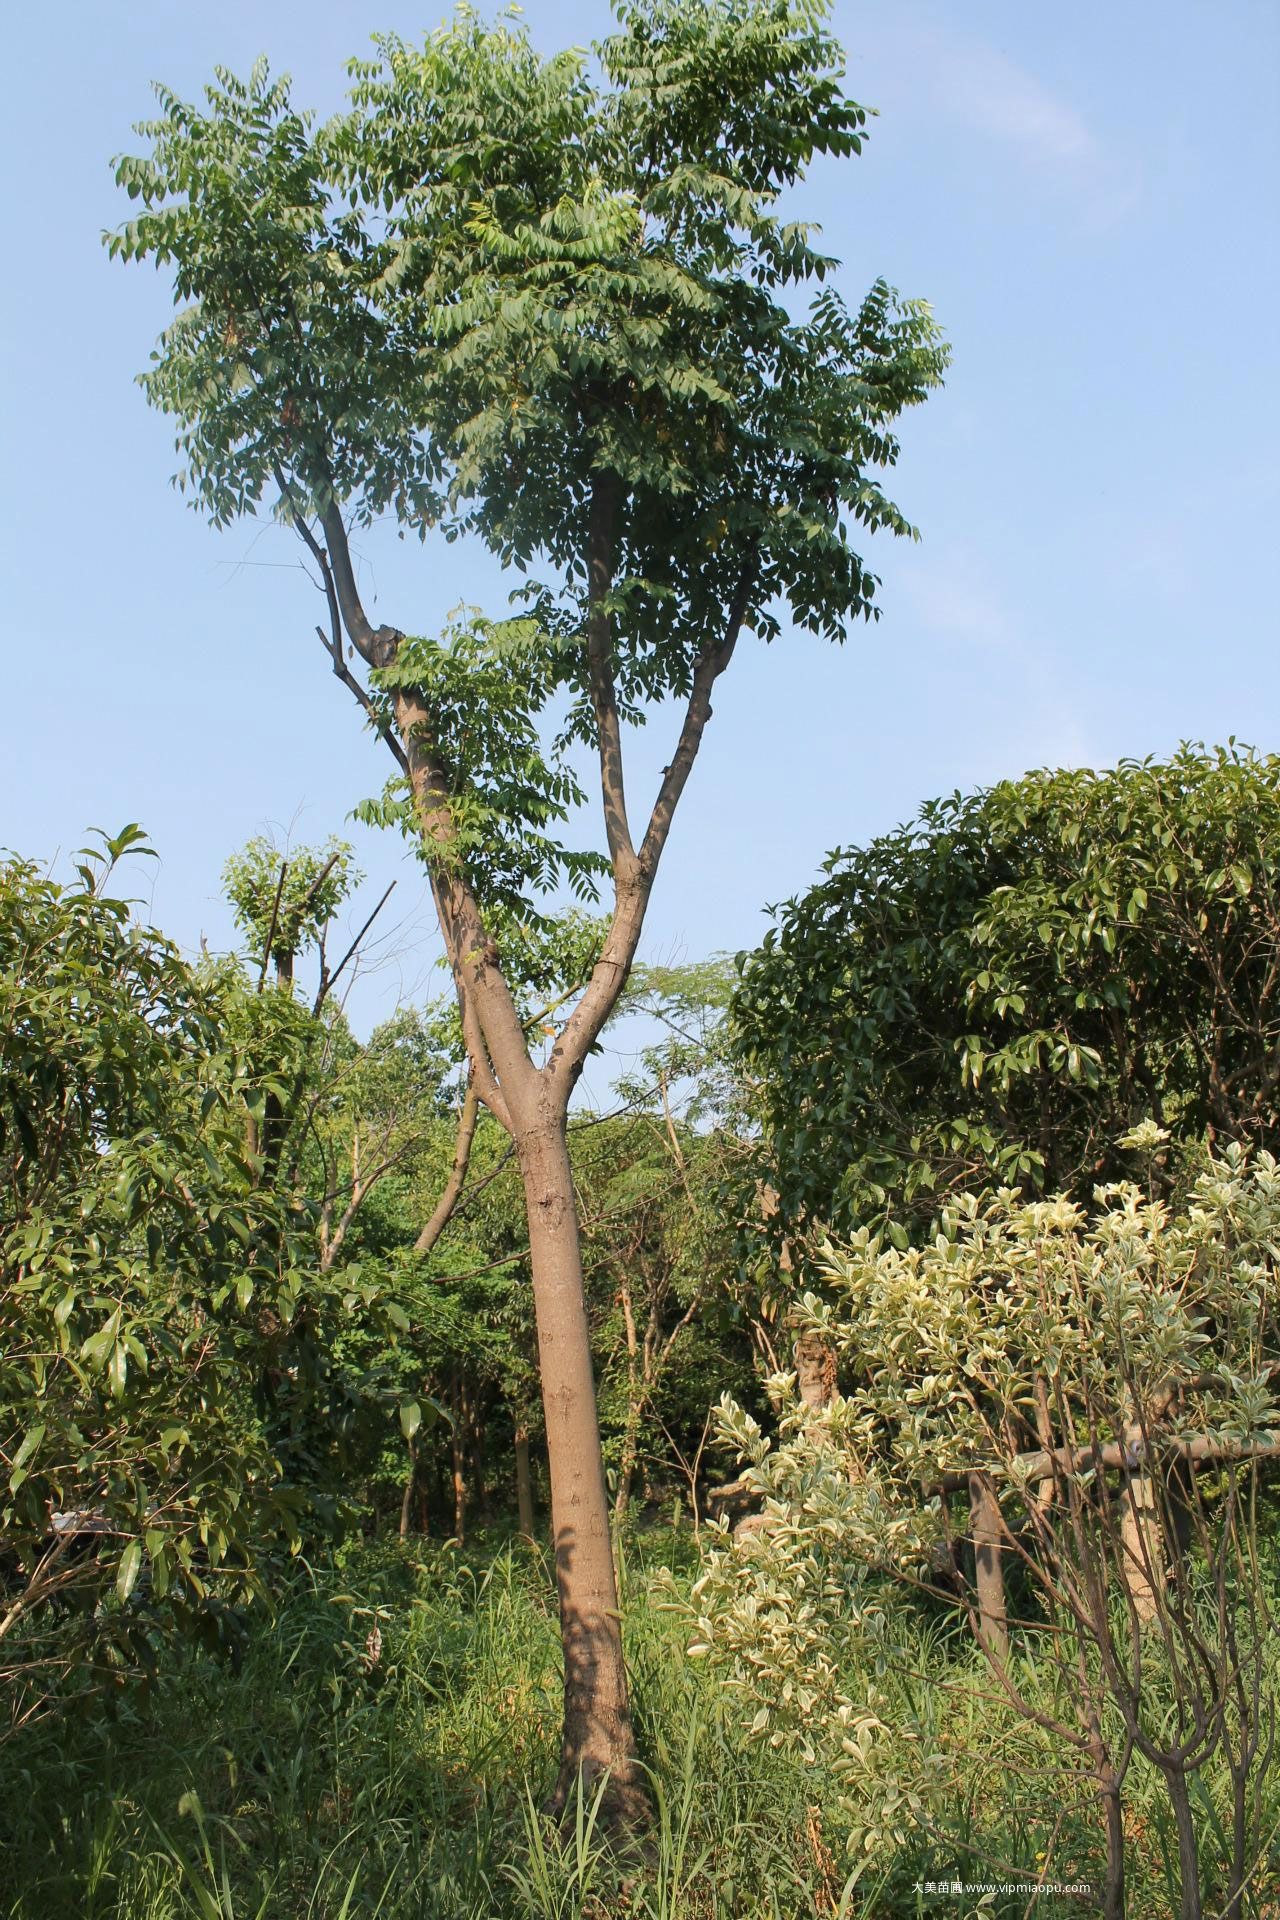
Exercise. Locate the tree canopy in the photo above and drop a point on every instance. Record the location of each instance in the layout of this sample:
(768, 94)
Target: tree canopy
(998, 991)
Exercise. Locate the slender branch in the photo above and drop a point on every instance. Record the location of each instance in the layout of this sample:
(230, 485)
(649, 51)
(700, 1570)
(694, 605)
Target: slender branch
(348, 679)
(602, 540)
(710, 665)
(332, 641)
(445, 1205)
(608, 978)
(330, 980)
(472, 1273)
(1121, 1454)
(362, 1185)
(313, 891)
(477, 1187)
(632, 888)
(271, 930)
(42, 1582)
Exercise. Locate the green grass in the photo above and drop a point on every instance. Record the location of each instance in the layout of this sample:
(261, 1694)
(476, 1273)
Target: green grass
(313, 1781)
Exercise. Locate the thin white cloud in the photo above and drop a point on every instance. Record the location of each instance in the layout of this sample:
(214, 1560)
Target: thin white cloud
(996, 96)
(958, 76)
(1039, 131)
(958, 603)
(951, 599)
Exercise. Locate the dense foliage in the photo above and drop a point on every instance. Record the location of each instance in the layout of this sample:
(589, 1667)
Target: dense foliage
(220, 1332)
(239, 1341)
(158, 1304)
(1086, 1398)
(284, 901)
(1000, 990)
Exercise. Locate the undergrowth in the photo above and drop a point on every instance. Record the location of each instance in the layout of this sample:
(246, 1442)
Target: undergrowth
(380, 1747)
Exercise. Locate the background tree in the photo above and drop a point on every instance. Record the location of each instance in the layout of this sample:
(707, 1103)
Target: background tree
(657, 1250)
(284, 900)
(369, 1113)
(151, 1286)
(578, 326)
(670, 1339)
(1001, 990)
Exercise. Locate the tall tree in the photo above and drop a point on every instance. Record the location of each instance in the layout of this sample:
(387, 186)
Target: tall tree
(504, 295)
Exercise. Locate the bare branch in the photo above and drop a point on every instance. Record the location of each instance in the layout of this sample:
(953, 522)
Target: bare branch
(313, 891)
(343, 672)
(602, 532)
(711, 664)
(329, 980)
(271, 930)
(443, 1211)
(332, 641)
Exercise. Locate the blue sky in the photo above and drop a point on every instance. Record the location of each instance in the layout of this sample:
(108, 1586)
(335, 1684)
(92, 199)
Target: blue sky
(1087, 196)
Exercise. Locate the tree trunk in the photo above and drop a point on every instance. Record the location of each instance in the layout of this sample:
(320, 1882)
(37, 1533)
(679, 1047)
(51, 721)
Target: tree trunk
(1189, 1906)
(815, 1370)
(993, 1622)
(1113, 1894)
(597, 1716)
(597, 1727)
(626, 1469)
(459, 1478)
(1141, 1549)
(1110, 1785)
(406, 1504)
(524, 1481)
(630, 1443)
(1234, 1908)
(475, 1437)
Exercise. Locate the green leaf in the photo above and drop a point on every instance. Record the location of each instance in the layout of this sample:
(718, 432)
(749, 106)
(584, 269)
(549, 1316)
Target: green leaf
(126, 1577)
(30, 1442)
(118, 1370)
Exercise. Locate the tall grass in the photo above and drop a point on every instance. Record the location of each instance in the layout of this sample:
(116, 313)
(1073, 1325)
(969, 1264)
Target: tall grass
(383, 1743)
(380, 1749)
